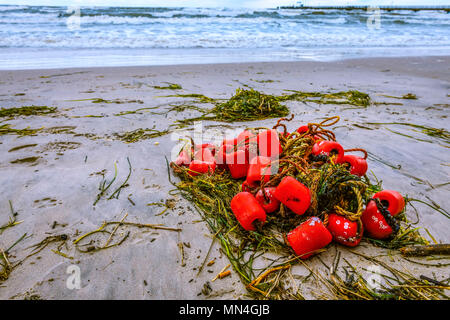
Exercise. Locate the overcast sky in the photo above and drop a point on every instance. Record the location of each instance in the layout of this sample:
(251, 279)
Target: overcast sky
(223, 3)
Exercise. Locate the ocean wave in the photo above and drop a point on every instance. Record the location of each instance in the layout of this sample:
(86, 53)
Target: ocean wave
(11, 8)
(113, 27)
(153, 39)
(219, 13)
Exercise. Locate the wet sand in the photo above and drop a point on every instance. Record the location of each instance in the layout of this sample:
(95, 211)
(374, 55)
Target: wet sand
(55, 194)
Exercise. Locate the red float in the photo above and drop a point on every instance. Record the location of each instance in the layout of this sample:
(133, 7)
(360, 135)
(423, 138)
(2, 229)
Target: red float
(247, 210)
(183, 159)
(391, 200)
(267, 199)
(259, 166)
(233, 142)
(221, 156)
(358, 165)
(293, 195)
(237, 163)
(209, 146)
(308, 237)
(343, 230)
(204, 154)
(374, 222)
(248, 187)
(329, 148)
(303, 129)
(197, 167)
(247, 141)
(269, 144)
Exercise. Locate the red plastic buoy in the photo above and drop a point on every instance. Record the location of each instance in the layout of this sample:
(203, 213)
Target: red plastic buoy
(305, 130)
(204, 154)
(233, 142)
(293, 195)
(358, 165)
(391, 200)
(237, 163)
(221, 156)
(247, 210)
(246, 137)
(209, 146)
(259, 166)
(329, 148)
(183, 159)
(247, 141)
(308, 237)
(344, 231)
(197, 167)
(267, 199)
(248, 187)
(374, 222)
(302, 129)
(269, 144)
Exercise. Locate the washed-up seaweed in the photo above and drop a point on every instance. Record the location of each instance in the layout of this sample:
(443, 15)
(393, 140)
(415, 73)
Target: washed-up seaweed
(62, 241)
(441, 134)
(250, 105)
(408, 96)
(22, 147)
(105, 186)
(381, 282)
(199, 97)
(245, 105)
(137, 111)
(333, 189)
(26, 111)
(140, 134)
(100, 100)
(29, 160)
(90, 246)
(6, 129)
(12, 219)
(351, 97)
(169, 86)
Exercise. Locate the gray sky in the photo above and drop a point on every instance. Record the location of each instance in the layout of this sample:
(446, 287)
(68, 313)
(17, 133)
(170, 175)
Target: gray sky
(223, 3)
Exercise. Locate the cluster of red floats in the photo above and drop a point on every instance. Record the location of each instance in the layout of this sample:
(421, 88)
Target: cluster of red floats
(251, 156)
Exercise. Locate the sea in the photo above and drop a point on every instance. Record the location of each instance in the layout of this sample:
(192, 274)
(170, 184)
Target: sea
(41, 37)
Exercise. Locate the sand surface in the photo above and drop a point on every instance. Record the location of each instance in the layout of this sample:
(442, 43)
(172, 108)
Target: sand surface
(80, 150)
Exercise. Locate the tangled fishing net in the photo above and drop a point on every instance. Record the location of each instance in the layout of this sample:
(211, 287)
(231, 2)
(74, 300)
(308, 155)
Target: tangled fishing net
(339, 195)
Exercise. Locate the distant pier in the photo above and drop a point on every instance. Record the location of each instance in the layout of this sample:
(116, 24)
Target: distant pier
(385, 8)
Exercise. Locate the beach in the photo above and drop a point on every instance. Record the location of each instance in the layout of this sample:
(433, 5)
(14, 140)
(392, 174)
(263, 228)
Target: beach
(52, 175)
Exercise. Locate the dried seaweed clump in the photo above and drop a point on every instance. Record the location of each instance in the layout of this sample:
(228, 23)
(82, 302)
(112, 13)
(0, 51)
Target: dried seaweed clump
(248, 105)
